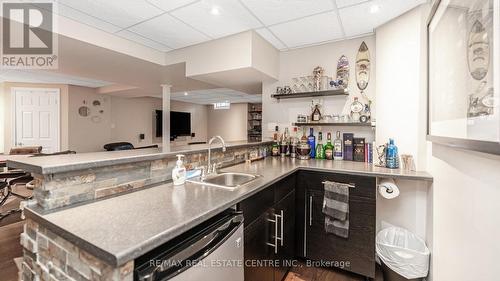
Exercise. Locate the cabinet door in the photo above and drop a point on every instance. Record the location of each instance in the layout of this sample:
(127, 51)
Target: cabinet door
(286, 245)
(357, 252)
(257, 249)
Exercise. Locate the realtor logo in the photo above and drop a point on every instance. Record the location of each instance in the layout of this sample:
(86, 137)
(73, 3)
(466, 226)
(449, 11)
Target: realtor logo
(28, 39)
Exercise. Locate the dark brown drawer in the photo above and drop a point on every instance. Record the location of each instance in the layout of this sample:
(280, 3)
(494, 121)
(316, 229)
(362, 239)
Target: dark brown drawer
(284, 187)
(256, 205)
(365, 187)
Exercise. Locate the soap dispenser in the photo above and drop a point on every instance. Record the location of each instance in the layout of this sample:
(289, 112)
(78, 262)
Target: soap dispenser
(179, 172)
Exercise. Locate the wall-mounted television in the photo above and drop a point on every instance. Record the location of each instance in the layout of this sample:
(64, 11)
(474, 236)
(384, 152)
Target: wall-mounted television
(180, 124)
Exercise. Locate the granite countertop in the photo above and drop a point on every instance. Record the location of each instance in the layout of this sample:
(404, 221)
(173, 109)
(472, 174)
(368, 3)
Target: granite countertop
(124, 227)
(81, 161)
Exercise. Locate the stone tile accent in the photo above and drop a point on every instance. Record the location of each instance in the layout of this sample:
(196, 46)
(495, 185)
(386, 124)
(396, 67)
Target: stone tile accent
(50, 257)
(63, 189)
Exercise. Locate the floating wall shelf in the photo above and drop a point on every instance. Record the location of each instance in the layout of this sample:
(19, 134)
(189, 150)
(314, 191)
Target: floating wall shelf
(336, 124)
(340, 92)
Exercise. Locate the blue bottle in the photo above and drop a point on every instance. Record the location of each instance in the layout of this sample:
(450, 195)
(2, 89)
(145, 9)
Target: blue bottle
(311, 140)
(391, 155)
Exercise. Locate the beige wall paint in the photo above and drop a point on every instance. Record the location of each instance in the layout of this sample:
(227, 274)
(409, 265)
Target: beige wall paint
(87, 134)
(133, 116)
(7, 113)
(128, 116)
(230, 124)
(2, 118)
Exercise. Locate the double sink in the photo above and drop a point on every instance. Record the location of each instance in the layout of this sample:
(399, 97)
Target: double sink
(227, 180)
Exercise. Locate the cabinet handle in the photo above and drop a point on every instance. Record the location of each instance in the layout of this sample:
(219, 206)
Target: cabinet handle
(282, 232)
(310, 210)
(276, 238)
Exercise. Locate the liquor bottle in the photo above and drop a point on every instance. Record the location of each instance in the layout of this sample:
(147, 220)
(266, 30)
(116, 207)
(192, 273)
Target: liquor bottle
(304, 136)
(320, 152)
(316, 114)
(337, 148)
(284, 143)
(311, 140)
(391, 155)
(275, 148)
(293, 143)
(329, 147)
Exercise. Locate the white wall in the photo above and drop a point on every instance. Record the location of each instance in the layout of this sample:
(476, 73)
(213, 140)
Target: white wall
(401, 114)
(301, 62)
(462, 226)
(230, 124)
(466, 214)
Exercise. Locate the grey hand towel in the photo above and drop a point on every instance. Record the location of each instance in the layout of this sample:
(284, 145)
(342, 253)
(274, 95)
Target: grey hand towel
(336, 208)
(339, 228)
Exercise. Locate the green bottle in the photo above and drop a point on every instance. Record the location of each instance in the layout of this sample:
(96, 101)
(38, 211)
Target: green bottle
(329, 147)
(320, 151)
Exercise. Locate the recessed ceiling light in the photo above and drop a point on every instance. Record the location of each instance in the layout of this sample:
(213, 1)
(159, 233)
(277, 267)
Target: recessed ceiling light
(375, 8)
(186, 93)
(215, 10)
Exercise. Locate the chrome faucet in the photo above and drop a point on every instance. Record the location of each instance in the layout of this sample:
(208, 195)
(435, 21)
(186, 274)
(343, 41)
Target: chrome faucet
(211, 169)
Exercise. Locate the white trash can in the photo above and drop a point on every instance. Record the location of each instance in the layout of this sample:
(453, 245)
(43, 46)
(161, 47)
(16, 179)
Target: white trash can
(403, 253)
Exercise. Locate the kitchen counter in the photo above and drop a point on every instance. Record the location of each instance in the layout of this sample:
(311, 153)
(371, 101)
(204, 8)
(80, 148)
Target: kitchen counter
(80, 161)
(124, 227)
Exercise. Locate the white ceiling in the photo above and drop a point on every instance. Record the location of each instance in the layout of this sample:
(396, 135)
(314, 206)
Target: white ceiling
(37, 76)
(215, 95)
(171, 24)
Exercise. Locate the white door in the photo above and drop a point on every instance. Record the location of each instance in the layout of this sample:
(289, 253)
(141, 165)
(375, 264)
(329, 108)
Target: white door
(37, 118)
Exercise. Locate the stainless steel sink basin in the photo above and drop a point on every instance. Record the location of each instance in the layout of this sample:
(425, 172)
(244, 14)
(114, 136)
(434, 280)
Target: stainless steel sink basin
(225, 180)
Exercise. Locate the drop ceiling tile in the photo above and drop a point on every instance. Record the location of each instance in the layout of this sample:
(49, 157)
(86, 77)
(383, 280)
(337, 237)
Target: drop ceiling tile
(232, 18)
(168, 5)
(84, 18)
(309, 30)
(169, 31)
(358, 20)
(142, 40)
(266, 34)
(276, 11)
(121, 13)
(345, 3)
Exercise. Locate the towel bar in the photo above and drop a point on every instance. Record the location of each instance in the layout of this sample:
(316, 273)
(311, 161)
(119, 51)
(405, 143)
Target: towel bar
(348, 184)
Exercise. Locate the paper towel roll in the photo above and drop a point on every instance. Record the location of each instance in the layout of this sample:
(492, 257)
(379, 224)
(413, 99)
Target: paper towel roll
(388, 189)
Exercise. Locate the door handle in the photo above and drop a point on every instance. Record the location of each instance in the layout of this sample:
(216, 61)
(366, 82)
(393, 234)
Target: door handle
(310, 210)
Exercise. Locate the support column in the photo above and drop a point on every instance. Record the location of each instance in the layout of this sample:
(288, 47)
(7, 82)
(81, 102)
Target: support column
(165, 90)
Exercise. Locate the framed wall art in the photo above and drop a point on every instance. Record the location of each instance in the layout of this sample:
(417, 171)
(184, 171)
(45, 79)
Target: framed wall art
(464, 74)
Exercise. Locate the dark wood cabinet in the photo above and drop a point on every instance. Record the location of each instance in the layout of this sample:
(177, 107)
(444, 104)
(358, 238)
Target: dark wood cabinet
(270, 235)
(286, 244)
(256, 249)
(289, 214)
(355, 253)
